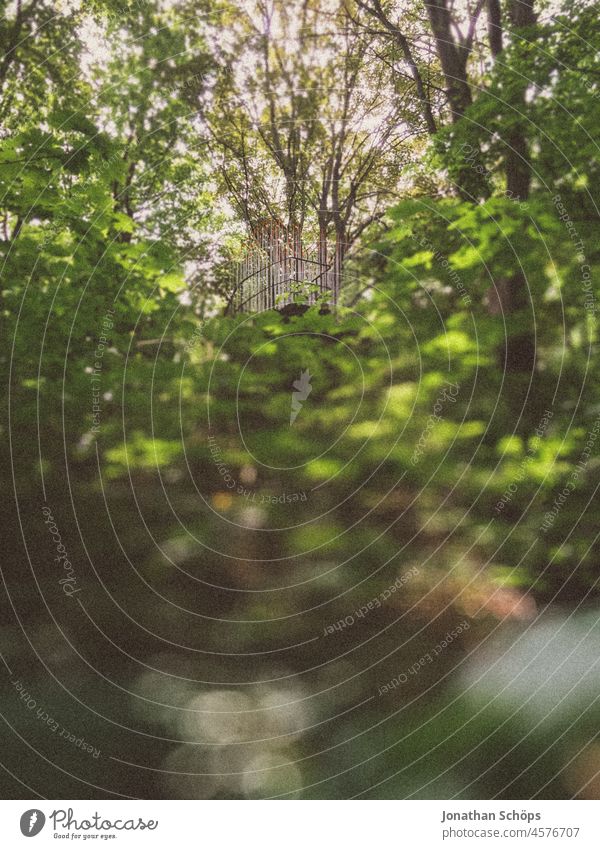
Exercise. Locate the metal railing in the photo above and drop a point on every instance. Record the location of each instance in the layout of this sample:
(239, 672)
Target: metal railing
(278, 270)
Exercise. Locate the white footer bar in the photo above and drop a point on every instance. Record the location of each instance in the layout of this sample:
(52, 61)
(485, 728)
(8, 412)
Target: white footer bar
(301, 825)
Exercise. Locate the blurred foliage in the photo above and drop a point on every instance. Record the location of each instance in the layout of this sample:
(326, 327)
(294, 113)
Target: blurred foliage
(178, 500)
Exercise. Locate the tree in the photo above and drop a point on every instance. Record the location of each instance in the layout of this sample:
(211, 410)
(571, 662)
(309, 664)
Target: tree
(305, 126)
(518, 168)
(452, 32)
(30, 60)
(411, 57)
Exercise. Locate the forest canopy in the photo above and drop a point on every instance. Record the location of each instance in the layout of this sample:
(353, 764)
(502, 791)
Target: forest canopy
(273, 503)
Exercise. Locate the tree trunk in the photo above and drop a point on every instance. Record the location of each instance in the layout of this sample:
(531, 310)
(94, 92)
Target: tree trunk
(470, 181)
(517, 354)
(451, 59)
(376, 10)
(517, 165)
(338, 261)
(494, 17)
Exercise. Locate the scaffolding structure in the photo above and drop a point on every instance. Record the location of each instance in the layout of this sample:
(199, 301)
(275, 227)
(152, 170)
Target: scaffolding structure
(278, 269)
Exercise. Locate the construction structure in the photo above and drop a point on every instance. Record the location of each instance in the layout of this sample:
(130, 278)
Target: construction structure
(279, 270)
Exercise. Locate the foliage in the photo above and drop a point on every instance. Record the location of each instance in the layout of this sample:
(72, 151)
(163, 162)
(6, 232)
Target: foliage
(215, 541)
